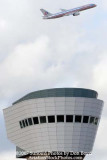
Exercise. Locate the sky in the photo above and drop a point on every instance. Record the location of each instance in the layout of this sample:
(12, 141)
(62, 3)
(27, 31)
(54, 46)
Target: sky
(38, 54)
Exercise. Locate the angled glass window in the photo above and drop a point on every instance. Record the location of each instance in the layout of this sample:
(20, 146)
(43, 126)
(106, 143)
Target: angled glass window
(51, 119)
(92, 120)
(30, 121)
(26, 122)
(69, 118)
(35, 120)
(96, 121)
(23, 122)
(60, 118)
(78, 118)
(43, 119)
(85, 119)
(21, 125)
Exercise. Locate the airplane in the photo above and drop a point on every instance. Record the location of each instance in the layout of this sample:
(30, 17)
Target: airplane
(64, 12)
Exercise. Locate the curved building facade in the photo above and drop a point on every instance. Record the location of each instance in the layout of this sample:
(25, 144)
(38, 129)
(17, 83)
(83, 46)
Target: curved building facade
(59, 119)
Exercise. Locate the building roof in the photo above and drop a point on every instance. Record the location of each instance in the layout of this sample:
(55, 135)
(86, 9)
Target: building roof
(60, 92)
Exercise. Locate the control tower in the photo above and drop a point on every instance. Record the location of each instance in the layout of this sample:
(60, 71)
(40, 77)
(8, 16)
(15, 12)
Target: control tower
(54, 121)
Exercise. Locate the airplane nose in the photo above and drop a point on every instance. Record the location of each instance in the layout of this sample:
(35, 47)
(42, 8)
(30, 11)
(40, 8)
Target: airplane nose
(95, 5)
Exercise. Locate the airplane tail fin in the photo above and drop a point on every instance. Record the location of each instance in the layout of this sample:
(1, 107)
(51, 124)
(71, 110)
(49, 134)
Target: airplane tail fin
(45, 13)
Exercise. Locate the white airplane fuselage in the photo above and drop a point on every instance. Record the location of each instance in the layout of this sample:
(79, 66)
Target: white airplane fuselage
(73, 12)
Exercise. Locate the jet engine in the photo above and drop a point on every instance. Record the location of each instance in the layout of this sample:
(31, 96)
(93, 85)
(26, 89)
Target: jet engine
(76, 14)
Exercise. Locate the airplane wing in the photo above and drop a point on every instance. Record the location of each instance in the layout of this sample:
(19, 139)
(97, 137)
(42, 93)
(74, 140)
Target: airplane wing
(63, 10)
(68, 14)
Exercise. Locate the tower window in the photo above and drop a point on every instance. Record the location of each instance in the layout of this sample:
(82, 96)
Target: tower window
(35, 120)
(92, 120)
(26, 122)
(30, 121)
(43, 119)
(51, 119)
(96, 121)
(21, 125)
(69, 118)
(60, 118)
(85, 119)
(78, 118)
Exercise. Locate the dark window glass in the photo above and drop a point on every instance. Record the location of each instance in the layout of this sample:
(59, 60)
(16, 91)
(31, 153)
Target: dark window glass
(60, 118)
(96, 121)
(26, 122)
(78, 119)
(69, 118)
(85, 119)
(30, 121)
(51, 119)
(21, 125)
(92, 120)
(35, 120)
(43, 119)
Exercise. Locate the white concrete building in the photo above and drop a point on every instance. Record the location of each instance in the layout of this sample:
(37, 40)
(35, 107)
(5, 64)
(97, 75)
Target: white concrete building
(60, 119)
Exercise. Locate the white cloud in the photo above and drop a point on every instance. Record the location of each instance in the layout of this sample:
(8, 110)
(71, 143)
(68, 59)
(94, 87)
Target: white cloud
(100, 72)
(8, 156)
(3, 25)
(104, 4)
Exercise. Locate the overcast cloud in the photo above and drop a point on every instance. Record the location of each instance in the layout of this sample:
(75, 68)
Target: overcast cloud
(37, 54)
